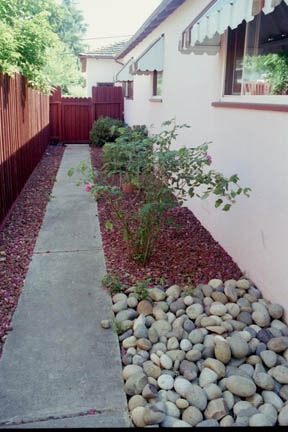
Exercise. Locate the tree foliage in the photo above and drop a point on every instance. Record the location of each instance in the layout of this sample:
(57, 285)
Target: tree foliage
(37, 35)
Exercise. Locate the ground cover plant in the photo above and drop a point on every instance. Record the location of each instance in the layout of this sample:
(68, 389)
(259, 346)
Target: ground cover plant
(19, 233)
(161, 237)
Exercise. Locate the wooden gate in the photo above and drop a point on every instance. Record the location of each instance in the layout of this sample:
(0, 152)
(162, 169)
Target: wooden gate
(71, 119)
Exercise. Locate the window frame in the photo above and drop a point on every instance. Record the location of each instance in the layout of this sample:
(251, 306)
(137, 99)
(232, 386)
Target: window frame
(128, 89)
(231, 101)
(155, 83)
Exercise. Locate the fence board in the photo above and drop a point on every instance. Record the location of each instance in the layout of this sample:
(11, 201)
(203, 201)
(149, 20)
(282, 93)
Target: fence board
(71, 119)
(24, 136)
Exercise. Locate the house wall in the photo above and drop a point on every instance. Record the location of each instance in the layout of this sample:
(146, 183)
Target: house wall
(248, 142)
(100, 70)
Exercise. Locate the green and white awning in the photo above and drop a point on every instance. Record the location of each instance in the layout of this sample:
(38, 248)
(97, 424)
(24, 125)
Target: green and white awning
(124, 74)
(151, 59)
(203, 34)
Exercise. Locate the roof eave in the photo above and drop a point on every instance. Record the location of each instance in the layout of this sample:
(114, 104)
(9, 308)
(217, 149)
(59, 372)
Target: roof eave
(166, 8)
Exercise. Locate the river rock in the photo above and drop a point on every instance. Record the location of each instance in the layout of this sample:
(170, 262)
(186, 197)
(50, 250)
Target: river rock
(173, 291)
(151, 369)
(260, 316)
(216, 409)
(166, 362)
(240, 386)
(218, 309)
(264, 381)
(127, 314)
(276, 311)
(136, 401)
(283, 416)
(207, 376)
(243, 284)
(272, 398)
(196, 396)
(215, 283)
(280, 373)
(153, 415)
(192, 415)
(165, 382)
(270, 413)
(239, 347)
(194, 311)
(217, 366)
(135, 384)
(129, 342)
(144, 307)
(162, 327)
(131, 370)
(259, 420)
(222, 351)
(264, 335)
(277, 344)
(138, 416)
(157, 294)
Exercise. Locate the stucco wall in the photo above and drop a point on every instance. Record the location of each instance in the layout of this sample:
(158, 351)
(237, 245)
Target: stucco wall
(248, 142)
(100, 70)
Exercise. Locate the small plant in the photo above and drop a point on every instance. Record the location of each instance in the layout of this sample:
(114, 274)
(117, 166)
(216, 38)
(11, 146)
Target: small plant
(161, 281)
(188, 289)
(112, 283)
(105, 129)
(117, 327)
(141, 289)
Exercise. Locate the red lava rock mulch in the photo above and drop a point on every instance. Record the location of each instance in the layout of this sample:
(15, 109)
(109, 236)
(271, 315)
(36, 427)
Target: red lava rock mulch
(19, 233)
(189, 254)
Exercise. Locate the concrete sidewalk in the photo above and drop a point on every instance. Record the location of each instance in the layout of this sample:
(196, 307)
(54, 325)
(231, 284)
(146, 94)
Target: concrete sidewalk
(58, 363)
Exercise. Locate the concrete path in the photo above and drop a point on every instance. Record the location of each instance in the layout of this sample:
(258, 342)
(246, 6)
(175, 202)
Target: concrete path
(58, 363)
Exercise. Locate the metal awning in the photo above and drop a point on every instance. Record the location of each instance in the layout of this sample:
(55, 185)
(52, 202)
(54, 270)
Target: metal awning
(151, 59)
(124, 74)
(203, 34)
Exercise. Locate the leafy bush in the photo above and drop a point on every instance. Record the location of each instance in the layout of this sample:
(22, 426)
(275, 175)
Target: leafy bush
(128, 154)
(167, 178)
(105, 129)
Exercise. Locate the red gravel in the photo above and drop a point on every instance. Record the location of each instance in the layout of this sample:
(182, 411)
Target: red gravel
(19, 233)
(189, 254)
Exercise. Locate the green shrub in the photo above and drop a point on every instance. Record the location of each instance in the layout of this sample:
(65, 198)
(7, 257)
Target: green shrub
(105, 129)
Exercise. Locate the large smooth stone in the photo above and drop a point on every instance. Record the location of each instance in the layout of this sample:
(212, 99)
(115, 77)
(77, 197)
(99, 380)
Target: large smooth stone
(240, 386)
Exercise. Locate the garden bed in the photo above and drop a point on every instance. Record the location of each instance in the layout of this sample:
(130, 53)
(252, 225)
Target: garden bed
(19, 233)
(186, 254)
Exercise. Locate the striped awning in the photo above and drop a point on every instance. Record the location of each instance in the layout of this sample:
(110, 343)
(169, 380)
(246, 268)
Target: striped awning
(124, 74)
(151, 59)
(203, 34)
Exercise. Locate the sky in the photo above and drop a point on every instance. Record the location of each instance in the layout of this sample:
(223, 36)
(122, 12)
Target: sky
(114, 18)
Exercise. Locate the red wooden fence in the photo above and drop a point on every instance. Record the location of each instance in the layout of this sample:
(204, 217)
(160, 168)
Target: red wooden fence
(24, 136)
(71, 119)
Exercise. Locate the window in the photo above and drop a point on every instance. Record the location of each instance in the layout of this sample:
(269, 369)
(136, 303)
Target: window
(257, 55)
(157, 83)
(127, 87)
(105, 84)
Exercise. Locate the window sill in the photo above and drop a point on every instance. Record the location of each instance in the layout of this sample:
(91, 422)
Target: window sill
(251, 105)
(155, 99)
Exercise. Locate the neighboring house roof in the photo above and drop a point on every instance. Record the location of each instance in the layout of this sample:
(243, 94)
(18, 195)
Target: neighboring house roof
(107, 51)
(166, 8)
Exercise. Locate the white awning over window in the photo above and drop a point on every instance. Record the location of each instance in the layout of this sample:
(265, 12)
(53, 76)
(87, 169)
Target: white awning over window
(203, 34)
(151, 59)
(124, 74)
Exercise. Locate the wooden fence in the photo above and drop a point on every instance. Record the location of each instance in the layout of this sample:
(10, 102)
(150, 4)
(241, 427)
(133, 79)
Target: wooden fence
(24, 136)
(71, 119)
